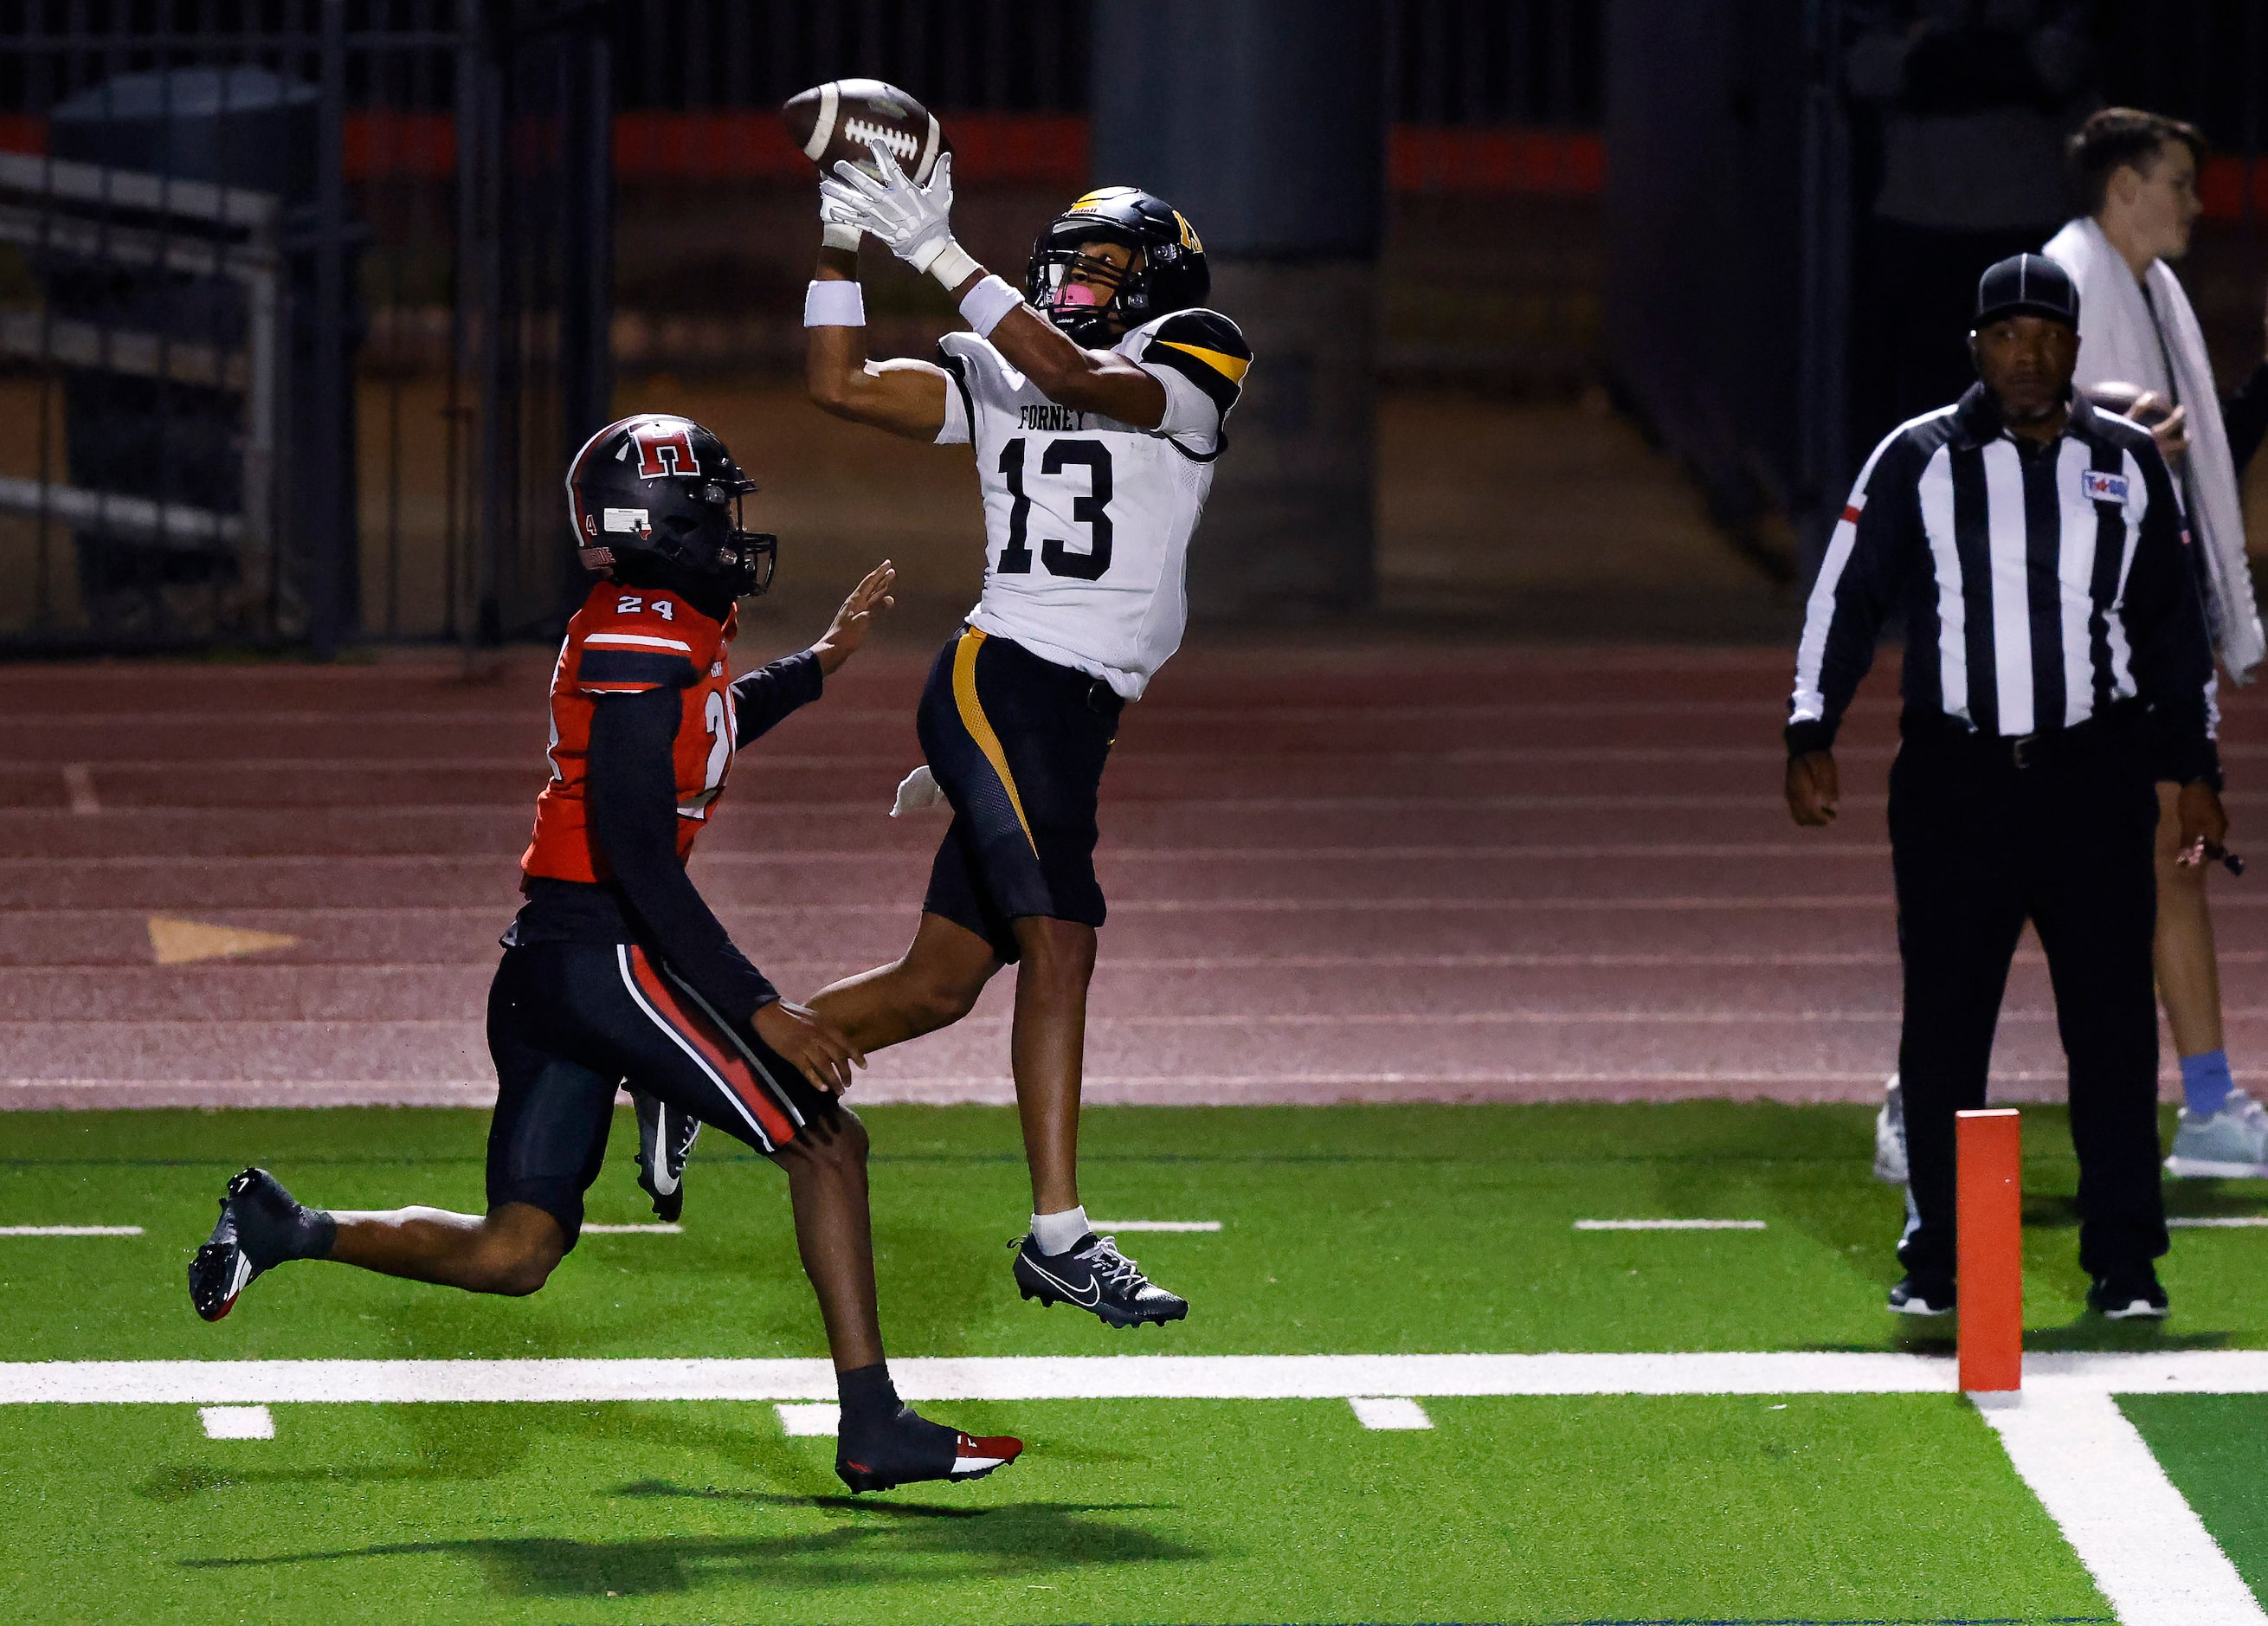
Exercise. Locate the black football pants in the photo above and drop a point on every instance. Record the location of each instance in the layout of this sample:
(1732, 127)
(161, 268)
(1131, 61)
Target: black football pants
(1979, 846)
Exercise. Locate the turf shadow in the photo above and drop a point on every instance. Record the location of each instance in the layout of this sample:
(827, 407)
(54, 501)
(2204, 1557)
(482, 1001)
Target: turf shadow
(1017, 1539)
(2092, 1332)
(854, 1504)
(476, 1447)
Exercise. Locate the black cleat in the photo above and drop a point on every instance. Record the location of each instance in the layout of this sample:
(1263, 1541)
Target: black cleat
(260, 1225)
(909, 1448)
(2129, 1296)
(1095, 1276)
(666, 1135)
(1924, 1293)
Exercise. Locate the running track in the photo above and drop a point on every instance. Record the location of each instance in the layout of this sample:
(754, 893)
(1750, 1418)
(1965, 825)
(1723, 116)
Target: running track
(1385, 872)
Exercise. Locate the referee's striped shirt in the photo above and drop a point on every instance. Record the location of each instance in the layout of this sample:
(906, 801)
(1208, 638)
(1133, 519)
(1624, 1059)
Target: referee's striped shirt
(2040, 584)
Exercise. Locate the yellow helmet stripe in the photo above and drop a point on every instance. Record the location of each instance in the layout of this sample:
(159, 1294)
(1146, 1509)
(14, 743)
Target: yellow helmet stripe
(1230, 367)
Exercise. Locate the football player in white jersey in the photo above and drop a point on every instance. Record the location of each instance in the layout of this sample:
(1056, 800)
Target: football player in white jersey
(1095, 401)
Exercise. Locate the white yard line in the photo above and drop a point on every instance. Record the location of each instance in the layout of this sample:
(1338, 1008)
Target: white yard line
(2241, 1222)
(70, 1230)
(1098, 1226)
(238, 1421)
(2092, 1471)
(1669, 1225)
(1126, 1376)
(651, 1227)
(809, 1419)
(2144, 1544)
(1388, 1412)
(1007, 1377)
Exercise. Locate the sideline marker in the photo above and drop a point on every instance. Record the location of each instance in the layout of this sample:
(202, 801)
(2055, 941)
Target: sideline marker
(1991, 1228)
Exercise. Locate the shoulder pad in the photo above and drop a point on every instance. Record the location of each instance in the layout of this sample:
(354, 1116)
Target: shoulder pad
(1203, 347)
(1207, 329)
(630, 640)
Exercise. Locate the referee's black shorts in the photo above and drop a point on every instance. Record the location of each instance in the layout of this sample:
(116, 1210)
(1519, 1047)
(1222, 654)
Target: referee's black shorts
(1017, 745)
(569, 1022)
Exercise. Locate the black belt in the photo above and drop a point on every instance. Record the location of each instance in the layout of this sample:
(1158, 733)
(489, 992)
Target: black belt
(1081, 688)
(2114, 727)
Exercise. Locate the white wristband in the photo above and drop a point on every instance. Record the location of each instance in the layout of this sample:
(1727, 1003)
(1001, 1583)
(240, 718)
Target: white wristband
(951, 265)
(986, 303)
(833, 234)
(834, 304)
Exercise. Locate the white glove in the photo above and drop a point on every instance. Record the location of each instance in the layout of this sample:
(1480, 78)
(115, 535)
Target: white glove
(917, 793)
(834, 234)
(915, 221)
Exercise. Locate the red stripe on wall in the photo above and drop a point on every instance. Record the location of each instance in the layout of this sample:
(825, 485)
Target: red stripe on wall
(412, 145)
(2223, 181)
(742, 146)
(988, 148)
(1048, 149)
(1496, 162)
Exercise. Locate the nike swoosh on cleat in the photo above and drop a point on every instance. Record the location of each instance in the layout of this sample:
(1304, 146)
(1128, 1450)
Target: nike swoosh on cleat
(1094, 1288)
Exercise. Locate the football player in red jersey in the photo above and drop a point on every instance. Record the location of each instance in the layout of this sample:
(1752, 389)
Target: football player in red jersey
(615, 971)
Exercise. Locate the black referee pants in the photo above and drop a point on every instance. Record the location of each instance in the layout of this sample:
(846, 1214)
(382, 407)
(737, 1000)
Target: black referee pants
(1979, 846)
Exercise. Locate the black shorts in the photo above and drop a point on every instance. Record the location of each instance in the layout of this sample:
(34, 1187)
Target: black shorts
(1017, 745)
(569, 1022)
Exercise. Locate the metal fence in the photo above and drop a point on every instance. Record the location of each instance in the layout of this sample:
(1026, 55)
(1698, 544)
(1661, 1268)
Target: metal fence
(1450, 62)
(1745, 324)
(1496, 161)
(299, 303)
(300, 367)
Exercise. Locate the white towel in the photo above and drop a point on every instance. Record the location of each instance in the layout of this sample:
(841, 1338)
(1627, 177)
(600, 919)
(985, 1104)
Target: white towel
(2119, 341)
(917, 793)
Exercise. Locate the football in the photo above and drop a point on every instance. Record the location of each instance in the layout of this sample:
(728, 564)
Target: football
(838, 121)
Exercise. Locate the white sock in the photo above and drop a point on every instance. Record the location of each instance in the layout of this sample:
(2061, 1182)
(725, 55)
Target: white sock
(1058, 1233)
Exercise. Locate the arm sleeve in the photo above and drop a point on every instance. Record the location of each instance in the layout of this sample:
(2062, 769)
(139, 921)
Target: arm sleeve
(2244, 415)
(960, 428)
(1867, 557)
(1190, 414)
(2165, 619)
(633, 810)
(766, 696)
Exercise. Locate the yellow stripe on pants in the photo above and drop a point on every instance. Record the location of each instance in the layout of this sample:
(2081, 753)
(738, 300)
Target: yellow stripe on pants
(980, 728)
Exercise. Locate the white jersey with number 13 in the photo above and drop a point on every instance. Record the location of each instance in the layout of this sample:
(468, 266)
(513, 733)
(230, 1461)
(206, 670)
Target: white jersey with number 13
(1087, 520)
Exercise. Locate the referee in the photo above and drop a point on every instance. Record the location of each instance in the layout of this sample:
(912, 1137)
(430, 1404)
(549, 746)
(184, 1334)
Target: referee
(2056, 666)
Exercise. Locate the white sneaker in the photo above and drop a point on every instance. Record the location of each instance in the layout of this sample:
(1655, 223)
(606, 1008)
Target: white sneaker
(2231, 1144)
(1890, 1135)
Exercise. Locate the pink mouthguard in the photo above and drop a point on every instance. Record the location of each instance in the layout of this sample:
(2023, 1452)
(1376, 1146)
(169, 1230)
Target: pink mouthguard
(1075, 293)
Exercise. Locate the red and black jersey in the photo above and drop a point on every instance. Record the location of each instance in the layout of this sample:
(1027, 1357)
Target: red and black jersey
(627, 641)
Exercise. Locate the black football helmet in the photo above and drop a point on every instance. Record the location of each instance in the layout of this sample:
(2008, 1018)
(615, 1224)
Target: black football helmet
(1169, 274)
(661, 486)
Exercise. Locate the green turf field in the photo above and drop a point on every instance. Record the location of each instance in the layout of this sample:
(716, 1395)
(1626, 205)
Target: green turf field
(1344, 1230)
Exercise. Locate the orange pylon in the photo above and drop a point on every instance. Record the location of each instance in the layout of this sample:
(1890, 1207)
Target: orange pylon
(1991, 1220)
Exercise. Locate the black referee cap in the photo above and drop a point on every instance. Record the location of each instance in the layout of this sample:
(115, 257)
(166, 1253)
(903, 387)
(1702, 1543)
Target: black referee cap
(2026, 284)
